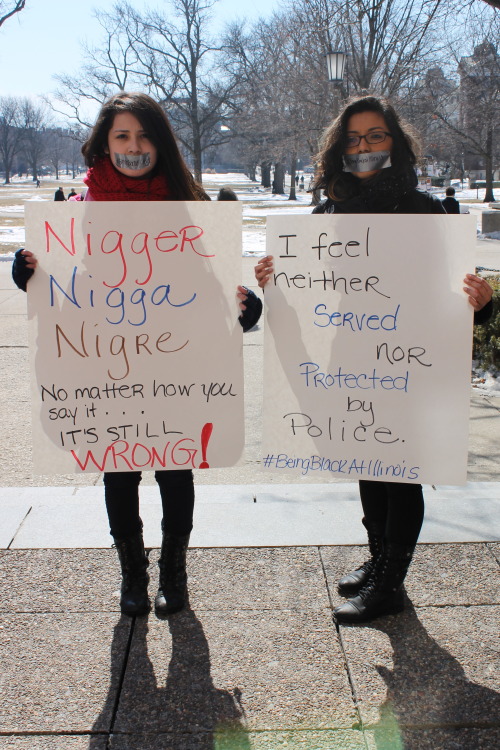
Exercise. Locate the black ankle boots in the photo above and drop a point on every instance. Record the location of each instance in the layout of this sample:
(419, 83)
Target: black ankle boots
(382, 593)
(351, 583)
(134, 563)
(172, 592)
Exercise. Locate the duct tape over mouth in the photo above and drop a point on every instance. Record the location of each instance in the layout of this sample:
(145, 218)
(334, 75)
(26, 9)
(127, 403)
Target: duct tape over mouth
(133, 162)
(367, 162)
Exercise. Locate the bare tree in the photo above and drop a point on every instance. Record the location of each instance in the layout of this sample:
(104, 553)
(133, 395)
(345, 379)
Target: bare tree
(55, 147)
(34, 121)
(177, 64)
(480, 116)
(259, 101)
(279, 100)
(467, 108)
(171, 55)
(387, 41)
(10, 132)
(110, 66)
(8, 9)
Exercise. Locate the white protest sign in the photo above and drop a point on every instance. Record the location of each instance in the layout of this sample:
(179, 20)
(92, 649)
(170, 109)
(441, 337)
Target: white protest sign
(368, 347)
(135, 344)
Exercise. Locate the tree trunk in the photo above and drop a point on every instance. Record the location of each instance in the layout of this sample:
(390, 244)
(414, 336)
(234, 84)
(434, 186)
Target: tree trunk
(197, 163)
(250, 172)
(293, 169)
(315, 194)
(279, 179)
(195, 129)
(265, 174)
(489, 196)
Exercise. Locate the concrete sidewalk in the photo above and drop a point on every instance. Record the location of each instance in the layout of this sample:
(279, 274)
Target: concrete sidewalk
(260, 515)
(256, 662)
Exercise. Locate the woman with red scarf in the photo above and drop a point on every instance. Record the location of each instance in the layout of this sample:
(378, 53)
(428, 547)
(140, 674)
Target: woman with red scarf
(132, 155)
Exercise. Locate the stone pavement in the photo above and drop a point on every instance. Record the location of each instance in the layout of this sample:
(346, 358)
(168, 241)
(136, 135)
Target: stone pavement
(256, 662)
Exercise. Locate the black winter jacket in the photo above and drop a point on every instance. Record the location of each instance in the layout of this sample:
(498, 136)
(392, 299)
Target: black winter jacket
(412, 202)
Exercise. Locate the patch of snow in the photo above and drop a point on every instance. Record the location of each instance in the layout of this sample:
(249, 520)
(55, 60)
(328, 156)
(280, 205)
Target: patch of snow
(229, 178)
(254, 243)
(17, 209)
(11, 234)
(486, 382)
(489, 236)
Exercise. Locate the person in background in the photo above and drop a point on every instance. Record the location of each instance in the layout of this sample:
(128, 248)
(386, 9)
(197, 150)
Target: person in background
(71, 194)
(59, 195)
(450, 203)
(132, 155)
(226, 194)
(384, 183)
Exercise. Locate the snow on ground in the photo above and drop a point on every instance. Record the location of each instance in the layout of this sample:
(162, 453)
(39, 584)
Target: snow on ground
(8, 235)
(485, 382)
(16, 209)
(258, 202)
(254, 243)
(228, 178)
(490, 236)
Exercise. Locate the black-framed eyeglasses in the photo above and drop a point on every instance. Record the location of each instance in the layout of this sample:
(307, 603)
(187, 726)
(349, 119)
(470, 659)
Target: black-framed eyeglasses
(378, 136)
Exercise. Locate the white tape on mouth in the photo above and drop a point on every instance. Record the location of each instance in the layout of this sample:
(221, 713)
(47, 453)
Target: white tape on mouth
(132, 162)
(367, 162)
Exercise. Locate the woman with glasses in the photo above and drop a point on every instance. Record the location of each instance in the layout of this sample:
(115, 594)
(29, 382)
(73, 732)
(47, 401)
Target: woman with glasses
(367, 166)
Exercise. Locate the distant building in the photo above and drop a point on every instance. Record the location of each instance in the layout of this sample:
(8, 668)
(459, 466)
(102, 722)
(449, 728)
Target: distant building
(479, 108)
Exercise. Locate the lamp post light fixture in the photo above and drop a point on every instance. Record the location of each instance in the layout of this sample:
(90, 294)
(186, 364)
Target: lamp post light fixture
(335, 62)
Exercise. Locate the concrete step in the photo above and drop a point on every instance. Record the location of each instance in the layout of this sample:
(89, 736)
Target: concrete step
(265, 515)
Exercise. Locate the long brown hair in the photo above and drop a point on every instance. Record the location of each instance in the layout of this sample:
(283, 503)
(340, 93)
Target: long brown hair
(155, 122)
(330, 175)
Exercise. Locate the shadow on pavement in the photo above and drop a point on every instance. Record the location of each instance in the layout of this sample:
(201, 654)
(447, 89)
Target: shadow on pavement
(427, 689)
(188, 711)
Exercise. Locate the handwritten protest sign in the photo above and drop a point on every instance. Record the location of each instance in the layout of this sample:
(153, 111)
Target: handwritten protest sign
(135, 343)
(368, 347)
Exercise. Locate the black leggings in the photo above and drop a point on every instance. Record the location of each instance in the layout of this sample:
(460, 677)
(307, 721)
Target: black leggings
(397, 506)
(121, 492)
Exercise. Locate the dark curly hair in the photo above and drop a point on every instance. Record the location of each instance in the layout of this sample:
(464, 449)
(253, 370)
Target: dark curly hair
(330, 177)
(155, 122)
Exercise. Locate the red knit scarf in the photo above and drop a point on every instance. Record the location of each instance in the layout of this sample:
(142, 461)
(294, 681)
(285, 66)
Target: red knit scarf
(107, 184)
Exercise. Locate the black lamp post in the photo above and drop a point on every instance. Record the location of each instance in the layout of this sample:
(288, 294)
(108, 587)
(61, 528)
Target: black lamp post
(335, 62)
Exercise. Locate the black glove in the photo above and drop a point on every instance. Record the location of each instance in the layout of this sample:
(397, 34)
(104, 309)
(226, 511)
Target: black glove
(253, 309)
(20, 273)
